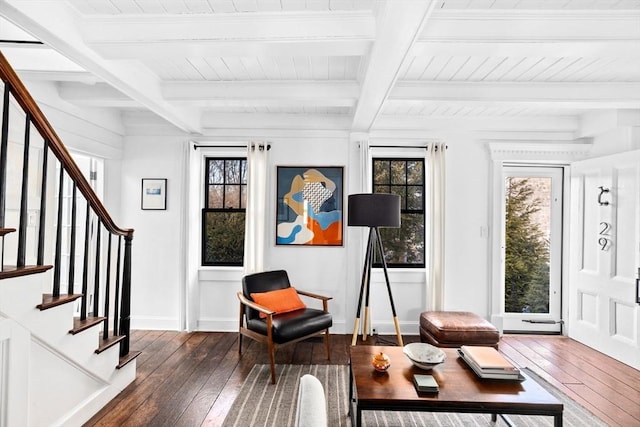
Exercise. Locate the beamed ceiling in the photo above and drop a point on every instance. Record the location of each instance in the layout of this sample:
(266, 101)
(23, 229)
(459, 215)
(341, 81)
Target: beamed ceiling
(530, 69)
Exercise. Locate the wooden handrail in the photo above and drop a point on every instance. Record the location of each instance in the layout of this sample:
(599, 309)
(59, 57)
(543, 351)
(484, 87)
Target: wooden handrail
(43, 126)
(69, 171)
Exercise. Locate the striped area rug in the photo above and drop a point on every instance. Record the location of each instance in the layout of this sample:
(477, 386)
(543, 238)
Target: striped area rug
(260, 403)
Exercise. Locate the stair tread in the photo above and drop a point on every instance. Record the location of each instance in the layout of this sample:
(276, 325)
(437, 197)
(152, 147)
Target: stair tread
(82, 325)
(49, 301)
(4, 231)
(128, 358)
(9, 271)
(109, 342)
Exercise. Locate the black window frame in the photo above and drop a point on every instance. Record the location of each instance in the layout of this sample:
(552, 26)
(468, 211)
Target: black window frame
(404, 211)
(206, 210)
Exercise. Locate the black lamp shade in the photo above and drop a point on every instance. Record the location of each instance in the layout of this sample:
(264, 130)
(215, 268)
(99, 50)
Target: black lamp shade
(374, 210)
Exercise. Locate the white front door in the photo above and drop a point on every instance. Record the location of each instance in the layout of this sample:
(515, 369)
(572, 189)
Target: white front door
(605, 255)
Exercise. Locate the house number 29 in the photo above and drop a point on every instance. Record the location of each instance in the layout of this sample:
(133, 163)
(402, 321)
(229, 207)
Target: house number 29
(604, 241)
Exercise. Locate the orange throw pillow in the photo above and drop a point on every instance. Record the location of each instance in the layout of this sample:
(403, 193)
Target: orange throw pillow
(280, 301)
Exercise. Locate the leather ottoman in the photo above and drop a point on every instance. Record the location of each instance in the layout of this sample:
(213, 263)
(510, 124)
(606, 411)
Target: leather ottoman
(456, 328)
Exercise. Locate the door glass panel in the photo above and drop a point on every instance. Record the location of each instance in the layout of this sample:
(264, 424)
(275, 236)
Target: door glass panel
(527, 244)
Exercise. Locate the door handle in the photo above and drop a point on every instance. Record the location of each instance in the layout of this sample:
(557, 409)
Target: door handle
(638, 287)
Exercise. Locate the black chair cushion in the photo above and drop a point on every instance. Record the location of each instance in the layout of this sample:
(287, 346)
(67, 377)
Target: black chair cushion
(293, 325)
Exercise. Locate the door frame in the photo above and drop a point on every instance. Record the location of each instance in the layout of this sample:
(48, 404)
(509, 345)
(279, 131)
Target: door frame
(534, 153)
(513, 322)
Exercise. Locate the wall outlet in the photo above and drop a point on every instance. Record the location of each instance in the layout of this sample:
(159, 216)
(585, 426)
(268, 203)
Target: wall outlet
(374, 331)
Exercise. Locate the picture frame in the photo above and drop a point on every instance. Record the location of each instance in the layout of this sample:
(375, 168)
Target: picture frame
(309, 205)
(153, 194)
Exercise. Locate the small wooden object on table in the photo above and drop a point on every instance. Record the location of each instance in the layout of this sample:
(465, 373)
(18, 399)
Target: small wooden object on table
(460, 389)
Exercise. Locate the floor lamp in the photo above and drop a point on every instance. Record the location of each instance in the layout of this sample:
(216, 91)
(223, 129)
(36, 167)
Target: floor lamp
(373, 210)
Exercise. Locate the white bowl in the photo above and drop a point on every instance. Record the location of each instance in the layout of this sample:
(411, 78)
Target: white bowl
(423, 355)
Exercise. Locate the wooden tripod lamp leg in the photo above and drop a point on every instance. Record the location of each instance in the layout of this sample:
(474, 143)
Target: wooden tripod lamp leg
(366, 274)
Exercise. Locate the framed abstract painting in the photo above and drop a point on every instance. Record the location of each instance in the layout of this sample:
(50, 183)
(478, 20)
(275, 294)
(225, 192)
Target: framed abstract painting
(309, 205)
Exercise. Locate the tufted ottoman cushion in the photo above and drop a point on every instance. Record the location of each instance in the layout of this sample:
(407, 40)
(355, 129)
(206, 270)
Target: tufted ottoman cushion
(456, 328)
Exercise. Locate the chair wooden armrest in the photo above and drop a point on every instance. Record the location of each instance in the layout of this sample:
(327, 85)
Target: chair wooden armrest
(309, 294)
(325, 300)
(249, 303)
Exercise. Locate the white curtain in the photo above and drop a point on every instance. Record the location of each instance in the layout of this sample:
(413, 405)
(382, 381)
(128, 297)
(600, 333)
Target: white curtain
(256, 214)
(437, 181)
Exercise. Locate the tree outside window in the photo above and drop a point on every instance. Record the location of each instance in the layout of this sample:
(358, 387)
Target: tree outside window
(223, 216)
(404, 246)
(527, 246)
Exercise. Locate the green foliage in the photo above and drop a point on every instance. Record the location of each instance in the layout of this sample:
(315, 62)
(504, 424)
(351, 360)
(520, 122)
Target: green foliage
(224, 241)
(404, 245)
(526, 252)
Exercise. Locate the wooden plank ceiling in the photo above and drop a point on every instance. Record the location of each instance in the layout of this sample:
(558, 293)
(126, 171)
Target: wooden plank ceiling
(336, 65)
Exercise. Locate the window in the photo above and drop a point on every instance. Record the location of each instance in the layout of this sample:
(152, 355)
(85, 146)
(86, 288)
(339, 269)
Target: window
(224, 212)
(404, 246)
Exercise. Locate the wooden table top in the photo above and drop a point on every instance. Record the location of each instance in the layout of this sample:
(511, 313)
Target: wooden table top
(460, 388)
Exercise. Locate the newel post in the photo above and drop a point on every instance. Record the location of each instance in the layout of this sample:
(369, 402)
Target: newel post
(125, 303)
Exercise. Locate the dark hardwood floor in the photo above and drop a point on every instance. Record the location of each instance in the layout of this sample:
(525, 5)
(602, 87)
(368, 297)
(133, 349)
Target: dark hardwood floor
(191, 379)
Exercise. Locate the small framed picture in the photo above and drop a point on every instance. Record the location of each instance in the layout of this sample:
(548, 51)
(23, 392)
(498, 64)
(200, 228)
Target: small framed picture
(154, 193)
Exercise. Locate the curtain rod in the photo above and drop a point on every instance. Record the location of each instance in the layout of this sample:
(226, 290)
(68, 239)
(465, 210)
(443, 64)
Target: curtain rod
(405, 146)
(10, 41)
(196, 146)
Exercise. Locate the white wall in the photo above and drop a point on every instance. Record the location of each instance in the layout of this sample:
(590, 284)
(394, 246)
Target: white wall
(156, 261)
(333, 271)
(315, 269)
(467, 285)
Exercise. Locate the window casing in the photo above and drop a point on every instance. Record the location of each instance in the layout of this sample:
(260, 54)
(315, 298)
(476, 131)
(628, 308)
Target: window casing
(404, 246)
(223, 215)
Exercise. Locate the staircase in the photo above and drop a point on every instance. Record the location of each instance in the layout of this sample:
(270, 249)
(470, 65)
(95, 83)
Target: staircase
(65, 277)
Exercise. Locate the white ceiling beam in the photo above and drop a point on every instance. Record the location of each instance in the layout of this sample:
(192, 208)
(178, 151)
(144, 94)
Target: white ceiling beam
(320, 93)
(395, 136)
(531, 33)
(480, 123)
(531, 25)
(552, 94)
(275, 121)
(234, 26)
(244, 34)
(399, 25)
(57, 25)
(522, 49)
(96, 95)
(162, 49)
(57, 76)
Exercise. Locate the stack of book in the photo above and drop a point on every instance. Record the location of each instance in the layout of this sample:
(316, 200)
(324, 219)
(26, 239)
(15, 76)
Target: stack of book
(487, 362)
(425, 383)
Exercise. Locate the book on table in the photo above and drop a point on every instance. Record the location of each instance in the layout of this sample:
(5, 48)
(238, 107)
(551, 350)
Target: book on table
(425, 383)
(487, 362)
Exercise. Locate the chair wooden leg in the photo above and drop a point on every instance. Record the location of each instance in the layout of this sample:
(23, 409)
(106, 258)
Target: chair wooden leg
(326, 342)
(272, 361)
(240, 329)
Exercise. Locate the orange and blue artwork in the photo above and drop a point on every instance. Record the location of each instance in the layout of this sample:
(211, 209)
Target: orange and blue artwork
(309, 206)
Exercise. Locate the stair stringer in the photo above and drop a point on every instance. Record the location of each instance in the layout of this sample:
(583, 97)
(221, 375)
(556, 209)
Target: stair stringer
(63, 392)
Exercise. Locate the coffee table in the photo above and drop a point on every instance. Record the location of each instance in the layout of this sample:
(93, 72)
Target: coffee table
(461, 390)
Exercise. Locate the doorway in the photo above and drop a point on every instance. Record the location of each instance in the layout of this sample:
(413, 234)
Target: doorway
(532, 248)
